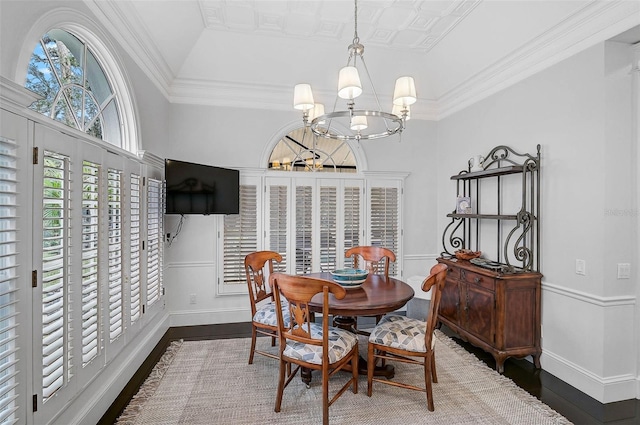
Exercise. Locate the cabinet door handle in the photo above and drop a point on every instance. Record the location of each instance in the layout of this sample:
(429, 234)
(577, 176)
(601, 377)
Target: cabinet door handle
(477, 279)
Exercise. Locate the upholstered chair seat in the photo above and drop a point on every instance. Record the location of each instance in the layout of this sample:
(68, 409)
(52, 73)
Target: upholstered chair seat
(266, 314)
(401, 332)
(341, 342)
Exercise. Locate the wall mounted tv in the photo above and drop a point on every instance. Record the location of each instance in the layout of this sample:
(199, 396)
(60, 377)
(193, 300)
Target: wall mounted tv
(201, 189)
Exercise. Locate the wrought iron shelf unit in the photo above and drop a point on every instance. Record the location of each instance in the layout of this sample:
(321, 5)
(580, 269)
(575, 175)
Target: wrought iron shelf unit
(485, 216)
(517, 234)
(500, 171)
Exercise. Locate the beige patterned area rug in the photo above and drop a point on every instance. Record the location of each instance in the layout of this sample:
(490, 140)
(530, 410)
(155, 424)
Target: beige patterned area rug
(210, 382)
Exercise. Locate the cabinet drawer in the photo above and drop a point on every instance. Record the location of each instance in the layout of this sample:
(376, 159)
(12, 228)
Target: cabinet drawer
(478, 279)
(453, 273)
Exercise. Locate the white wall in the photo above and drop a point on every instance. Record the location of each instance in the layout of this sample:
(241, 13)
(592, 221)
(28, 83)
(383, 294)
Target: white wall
(580, 112)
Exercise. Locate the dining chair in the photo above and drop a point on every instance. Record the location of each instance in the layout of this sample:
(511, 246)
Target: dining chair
(311, 345)
(408, 340)
(258, 267)
(369, 258)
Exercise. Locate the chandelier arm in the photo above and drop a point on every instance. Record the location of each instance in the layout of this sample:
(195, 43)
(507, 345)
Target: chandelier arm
(375, 93)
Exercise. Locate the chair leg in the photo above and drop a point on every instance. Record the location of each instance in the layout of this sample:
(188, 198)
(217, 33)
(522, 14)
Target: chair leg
(428, 384)
(354, 373)
(253, 344)
(371, 364)
(283, 366)
(325, 394)
(433, 367)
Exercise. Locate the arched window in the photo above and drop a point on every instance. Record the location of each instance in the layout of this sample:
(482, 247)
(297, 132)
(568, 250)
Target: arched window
(75, 90)
(300, 150)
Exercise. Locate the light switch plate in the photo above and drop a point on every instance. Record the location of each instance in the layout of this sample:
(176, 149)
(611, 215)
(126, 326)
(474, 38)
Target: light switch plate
(581, 267)
(624, 271)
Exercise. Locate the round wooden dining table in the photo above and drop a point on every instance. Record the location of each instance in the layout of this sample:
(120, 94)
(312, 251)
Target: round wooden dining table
(377, 295)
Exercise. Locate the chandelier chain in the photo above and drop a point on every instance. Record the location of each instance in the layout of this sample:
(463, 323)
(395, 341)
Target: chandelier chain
(356, 39)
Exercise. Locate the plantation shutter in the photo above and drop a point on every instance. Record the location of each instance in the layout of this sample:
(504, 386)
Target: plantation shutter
(134, 237)
(278, 228)
(352, 219)
(56, 234)
(304, 229)
(114, 197)
(155, 213)
(240, 236)
(328, 227)
(384, 229)
(8, 281)
(90, 263)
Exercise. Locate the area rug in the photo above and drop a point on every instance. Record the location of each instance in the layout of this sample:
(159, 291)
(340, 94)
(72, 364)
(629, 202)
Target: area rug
(210, 382)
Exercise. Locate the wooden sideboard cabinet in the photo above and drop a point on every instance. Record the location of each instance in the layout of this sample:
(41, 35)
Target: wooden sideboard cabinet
(497, 312)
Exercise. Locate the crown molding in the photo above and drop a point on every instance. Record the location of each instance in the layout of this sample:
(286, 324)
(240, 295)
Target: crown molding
(122, 21)
(263, 96)
(596, 22)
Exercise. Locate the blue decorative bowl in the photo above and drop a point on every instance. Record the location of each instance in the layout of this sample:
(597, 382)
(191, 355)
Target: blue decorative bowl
(350, 278)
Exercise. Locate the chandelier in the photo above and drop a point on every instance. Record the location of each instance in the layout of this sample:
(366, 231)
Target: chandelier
(364, 124)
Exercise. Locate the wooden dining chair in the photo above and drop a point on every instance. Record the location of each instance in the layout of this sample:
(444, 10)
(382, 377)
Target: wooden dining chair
(258, 267)
(375, 259)
(311, 345)
(408, 340)
(371, 258)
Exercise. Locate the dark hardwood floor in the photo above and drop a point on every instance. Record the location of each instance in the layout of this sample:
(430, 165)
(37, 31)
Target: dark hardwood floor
(576, 406)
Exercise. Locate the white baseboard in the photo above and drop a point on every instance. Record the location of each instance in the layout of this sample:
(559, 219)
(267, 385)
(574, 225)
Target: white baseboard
(209, 317)
(605, 390)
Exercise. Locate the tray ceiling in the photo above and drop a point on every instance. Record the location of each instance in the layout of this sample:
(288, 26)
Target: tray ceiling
(251, 53)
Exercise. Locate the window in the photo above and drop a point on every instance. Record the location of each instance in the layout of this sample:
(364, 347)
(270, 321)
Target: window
(8, 280)
(240, 236)
(384, 217)
(300, 150)
(278, 222)
(155, 212)
(55, 273)
(75, 89)
(114, 197)
(90, 261)
(311, 218)
(134, 258)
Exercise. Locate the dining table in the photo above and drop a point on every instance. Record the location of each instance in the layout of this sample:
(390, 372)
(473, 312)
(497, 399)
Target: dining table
(377, 296)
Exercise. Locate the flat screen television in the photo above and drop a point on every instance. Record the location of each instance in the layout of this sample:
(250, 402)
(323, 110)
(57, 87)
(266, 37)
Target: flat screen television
(201, 189)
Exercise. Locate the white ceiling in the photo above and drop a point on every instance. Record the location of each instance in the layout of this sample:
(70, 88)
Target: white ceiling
(252, 52)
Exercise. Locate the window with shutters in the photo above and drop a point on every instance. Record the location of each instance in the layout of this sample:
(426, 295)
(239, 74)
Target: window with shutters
(311, 220)
(352, 212)
(328, 228)
(240, 236)
(278, 223)
(384, 220)
(8, 282)
(114, 198)
(304, 229)
(155, 212)
(56, 234)
(90, 261)
(135, 303)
